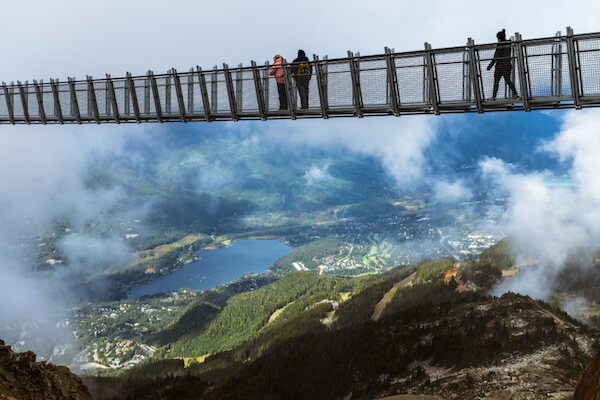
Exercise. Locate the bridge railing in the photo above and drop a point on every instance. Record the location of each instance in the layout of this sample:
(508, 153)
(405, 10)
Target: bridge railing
(555, 72)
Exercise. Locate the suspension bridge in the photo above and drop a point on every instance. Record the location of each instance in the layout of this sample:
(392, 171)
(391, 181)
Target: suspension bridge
(558, 72)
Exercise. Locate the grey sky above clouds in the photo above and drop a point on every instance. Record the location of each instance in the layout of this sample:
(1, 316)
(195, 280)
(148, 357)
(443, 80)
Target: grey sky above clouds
(44, 39)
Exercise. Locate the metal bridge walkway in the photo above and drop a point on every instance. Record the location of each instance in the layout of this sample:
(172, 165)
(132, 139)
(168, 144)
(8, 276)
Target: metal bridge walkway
(550, 73)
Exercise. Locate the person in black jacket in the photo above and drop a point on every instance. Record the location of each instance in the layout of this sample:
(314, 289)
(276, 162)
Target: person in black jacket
(301, 71)
(503, 64)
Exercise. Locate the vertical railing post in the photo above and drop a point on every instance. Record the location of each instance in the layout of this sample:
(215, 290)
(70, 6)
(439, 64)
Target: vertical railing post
(168, 93)
(24, 103)
(573, 68)
(260, 99)
(356, 92)
(57, 106)
(266, 85)
(213, 91)
(289, 88)
(523, 79)
(9, 105)
(238, 88)
(431, 79)
(126, 103)
(204, 93)
(556, 77)
(147, 93)
(392, 79)
(134, 99)
(190, 91)
(466, 87)
(92, 99)
(230, 92)
(156, 96)
(40, 102)
(113, 98)
(74, 103)
(474, 74)
(179, 94)
(321, 87)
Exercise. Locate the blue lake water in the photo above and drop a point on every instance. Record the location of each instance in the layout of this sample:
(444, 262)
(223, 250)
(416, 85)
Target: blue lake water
(217, 267)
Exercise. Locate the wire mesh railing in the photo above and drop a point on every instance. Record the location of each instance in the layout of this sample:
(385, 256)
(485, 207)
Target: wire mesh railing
(555, 72)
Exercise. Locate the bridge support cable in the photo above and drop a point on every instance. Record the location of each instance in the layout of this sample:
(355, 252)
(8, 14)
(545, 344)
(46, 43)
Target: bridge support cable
(112, 98)
(40, 102)
(431, 79)
(230, 93)
(289, 89)
(57, 106)
(392, 79)
(523, 72)
(92, 103)
(204, 94)
(356, 91)
(134, 98)
(155, 96)
(23, 96)
(320, 78)
(179, 94)
(74, 104)
(260, 98)
(573, 69)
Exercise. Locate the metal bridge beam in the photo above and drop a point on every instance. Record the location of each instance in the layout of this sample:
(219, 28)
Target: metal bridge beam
(475, 76)
(156, 96)
(204, 92)
(259, 92)
(92, 99)
(23, 95)
(74, 104)
(230, 93)
(40, 102)
(523, 72)
(179, 94)
(573, 69)
(134, 99)
(57, 106)
(321, 87)
(431, 79)
(113, 98)
(356, 90)
(392, 79)
(9, 105)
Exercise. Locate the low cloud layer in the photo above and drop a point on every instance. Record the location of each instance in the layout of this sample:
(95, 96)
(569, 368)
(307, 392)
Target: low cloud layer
(553, 219)
(398, 143)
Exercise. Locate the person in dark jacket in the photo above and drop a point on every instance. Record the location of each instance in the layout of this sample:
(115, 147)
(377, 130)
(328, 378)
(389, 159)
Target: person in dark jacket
(503, 64)
(301, 71)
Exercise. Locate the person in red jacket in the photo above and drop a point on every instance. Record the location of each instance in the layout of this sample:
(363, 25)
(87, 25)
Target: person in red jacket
(277, 71)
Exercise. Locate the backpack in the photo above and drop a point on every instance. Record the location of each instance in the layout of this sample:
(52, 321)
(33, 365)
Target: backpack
(303, 69)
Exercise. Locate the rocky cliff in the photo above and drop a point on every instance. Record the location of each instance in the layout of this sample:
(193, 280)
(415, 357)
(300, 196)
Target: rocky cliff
(22, 378)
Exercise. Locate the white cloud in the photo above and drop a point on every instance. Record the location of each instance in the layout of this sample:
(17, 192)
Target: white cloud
(398, 142)
(452, 192)
(553, 222)
(316, 174)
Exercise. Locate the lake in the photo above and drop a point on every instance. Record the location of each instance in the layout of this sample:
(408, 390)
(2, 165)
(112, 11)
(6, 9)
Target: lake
(217, 267)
